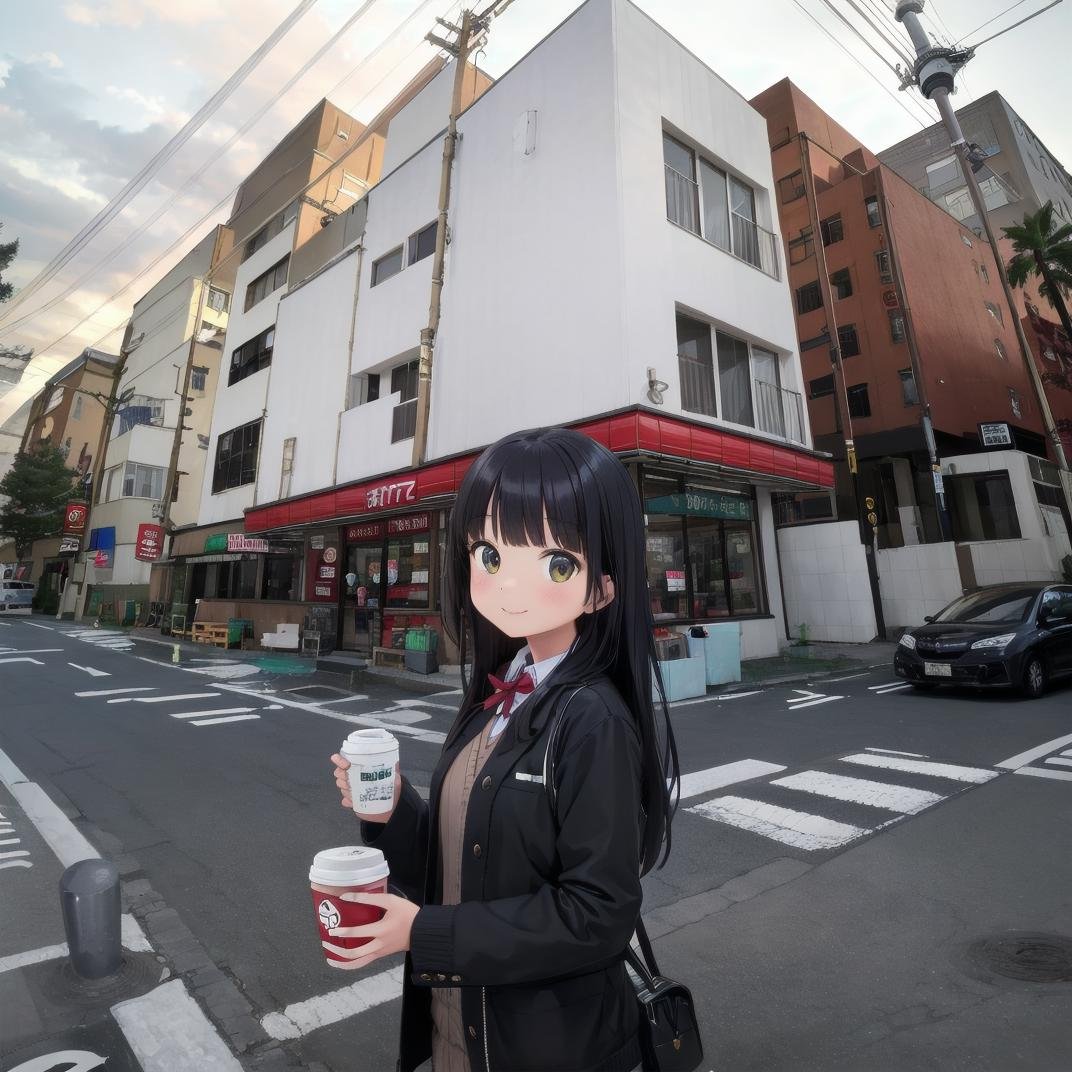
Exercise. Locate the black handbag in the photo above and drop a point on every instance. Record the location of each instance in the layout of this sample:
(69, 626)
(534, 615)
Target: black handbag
(669, 1032)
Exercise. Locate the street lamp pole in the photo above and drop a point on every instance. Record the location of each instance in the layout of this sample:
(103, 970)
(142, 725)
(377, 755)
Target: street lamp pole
(934, 72)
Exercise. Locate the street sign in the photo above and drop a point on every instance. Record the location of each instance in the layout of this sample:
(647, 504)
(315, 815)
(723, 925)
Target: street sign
(939, 483)
(150, 543)
(995, 434)
(70, 545)
(74, 518)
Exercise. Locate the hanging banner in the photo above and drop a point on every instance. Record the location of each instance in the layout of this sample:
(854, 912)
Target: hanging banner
(239, 542)
(74, 519)
(150, 543)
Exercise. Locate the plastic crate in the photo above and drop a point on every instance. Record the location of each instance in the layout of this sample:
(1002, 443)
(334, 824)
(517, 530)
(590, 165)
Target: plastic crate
(422, 639)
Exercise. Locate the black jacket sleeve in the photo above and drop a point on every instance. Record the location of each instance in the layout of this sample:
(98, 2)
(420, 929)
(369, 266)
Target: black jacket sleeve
(589, 914)
(403, 840)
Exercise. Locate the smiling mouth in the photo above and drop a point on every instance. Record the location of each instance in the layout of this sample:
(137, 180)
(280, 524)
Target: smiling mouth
(505, 611)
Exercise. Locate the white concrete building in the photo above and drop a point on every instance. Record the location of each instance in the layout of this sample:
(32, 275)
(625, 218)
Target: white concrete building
(612, 267)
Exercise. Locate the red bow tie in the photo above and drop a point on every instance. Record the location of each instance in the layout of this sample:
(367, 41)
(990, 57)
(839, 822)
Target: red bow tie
(505, 691)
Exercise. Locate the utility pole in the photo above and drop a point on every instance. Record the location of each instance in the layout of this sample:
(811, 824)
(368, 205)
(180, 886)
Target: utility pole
(934, 72)
(468, 37)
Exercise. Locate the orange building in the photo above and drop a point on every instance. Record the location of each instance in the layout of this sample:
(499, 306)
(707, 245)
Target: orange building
(900, 314)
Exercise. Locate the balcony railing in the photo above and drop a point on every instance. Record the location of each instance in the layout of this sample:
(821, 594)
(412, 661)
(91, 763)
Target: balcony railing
(779, 411)
(140, 409)
(755, 244)
(682, 200)
(404, 421)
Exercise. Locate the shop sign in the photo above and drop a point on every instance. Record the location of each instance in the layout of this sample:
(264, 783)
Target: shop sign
(371, 531)
(330, 554)
(995, 435)
(327, 573)
(889, 299)
(702, 504)
(103, 560)
(74, 519)
(70, 545)
(410, 523)
(237, 543)
(401, 491)
(215, 544)
(675, 580)
(323, 591)
(150, 543)
(317, 542)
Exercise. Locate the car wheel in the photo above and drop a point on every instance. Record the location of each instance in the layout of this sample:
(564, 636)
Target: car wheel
(1034, 682)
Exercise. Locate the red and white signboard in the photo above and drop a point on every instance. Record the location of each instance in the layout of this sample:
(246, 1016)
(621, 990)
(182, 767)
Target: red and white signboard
(410, 523)
(74, 519)
(150, 543)
(373, 530)
(237, 542)
(101, 560)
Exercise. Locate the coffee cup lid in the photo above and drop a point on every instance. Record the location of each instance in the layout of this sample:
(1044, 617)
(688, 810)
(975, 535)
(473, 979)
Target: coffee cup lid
(348, 865)
(369, 742)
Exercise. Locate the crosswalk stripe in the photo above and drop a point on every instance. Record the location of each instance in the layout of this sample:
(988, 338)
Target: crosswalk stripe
(217, 721)
(115, 692)
(216, 711)
(704, 781)
(800, 829)
(893, 688)
(900, 798)
(1039, 772)
(793, 706)
(922, 766)
(894, 752)
(884, 685)
(1058, 762)
(177, 696)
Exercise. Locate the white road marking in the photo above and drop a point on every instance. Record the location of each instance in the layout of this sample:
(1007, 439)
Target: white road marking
(796, 705)
(16, 863)
(32, 651)
(36, 662)
(38, 625)
(325, 1009)
(176, 696)
(131, 935)
(735, 695)
(10, 841)
(1058, 762)
(1023, 758)
(90, 670)
(114, 692)
(226, 672)
(274, 707)
(425, 703)
(893, 688)
(894, 752)
(884, 685)
(1039, 772)
(975, 775)
(217, 721)
(850, 677)
(704, 781)
(804, 694)
(15, 852)
(216, 711)
(1067, 752)
(861, 791)
(800, 829)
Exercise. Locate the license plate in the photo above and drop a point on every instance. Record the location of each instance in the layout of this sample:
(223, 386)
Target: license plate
(937, 669)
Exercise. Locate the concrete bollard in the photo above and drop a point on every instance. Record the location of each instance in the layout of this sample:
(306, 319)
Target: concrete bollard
(89, 900)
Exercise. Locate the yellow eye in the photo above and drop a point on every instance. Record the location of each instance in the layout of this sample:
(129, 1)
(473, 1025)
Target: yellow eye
(561, 568)
(487, 557)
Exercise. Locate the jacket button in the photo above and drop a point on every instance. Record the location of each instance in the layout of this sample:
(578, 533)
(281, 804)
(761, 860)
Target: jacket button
(472, 1031)
(477, 850)
(441, 978)
(425, 977)
(455, 978)
(486, 783)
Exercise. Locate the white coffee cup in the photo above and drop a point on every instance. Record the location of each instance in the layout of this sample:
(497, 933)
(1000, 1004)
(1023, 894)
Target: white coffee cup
(373, 755)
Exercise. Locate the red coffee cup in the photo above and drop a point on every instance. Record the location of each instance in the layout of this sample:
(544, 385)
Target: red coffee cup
(349, 869)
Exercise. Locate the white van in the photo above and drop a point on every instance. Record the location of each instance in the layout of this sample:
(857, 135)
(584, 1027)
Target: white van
(16, 594)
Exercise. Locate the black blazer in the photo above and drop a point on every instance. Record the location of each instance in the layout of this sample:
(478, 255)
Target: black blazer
(549, 901)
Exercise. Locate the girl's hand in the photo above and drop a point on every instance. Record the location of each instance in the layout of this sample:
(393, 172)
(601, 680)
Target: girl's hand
(342, 783)
(389, 935)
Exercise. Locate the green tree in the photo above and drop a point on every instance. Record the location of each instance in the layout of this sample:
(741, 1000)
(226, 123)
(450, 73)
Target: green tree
(36, 490)
(7, 255)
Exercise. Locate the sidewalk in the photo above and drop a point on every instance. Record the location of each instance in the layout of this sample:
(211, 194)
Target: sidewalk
(810, 661)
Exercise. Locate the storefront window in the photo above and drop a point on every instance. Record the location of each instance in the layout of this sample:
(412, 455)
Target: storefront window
(237, 579)
(281, 574)
(741, 569)
(707, 569)
(666, 568)
(408, 566)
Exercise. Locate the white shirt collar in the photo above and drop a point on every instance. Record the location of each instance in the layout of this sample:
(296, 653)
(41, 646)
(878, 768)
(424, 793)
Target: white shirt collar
(538, 670)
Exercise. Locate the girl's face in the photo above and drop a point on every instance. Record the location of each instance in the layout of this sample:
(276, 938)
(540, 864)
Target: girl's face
(532, 591)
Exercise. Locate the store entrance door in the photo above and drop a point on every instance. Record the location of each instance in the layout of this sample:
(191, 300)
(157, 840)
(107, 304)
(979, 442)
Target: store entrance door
(361, 597)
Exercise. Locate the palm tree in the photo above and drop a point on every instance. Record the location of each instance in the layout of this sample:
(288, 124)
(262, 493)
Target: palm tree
(1045, 251)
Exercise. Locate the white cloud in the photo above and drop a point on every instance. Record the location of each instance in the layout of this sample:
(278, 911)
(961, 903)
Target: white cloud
(134, 12)
(69, 187)
(49, 59)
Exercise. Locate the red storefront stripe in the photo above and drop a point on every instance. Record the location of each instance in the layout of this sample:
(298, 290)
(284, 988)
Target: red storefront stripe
(623, 433)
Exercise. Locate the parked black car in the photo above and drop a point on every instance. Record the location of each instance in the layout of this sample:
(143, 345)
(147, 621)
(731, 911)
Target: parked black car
(1017, 635)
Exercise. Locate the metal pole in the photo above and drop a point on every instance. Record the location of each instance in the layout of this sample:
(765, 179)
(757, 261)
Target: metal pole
(935, 69)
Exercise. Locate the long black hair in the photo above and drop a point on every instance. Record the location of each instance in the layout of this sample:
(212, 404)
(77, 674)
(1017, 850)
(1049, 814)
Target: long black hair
(592, 507)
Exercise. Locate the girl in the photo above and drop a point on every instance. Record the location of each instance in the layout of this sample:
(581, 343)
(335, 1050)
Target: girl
(552, 796)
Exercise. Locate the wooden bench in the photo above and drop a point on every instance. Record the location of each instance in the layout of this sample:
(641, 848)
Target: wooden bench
(210, 633)
(389, 657)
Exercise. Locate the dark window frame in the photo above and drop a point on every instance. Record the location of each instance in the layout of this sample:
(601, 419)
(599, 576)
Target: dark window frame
(809, 297)
(908, 380)
(848, 340)
(859, 401)
(253, 356)
(898, 326)
(233, 467)
(818, 388)
(805, 242)
(832, 229)
(413, 243)
(885, 274)
(378, 275)
(841, 284)
(792, 187)
(874, 214)
(267, 283)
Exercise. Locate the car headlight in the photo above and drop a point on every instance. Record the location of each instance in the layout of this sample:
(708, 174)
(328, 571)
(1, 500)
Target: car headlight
(994, 643)
(908, 641)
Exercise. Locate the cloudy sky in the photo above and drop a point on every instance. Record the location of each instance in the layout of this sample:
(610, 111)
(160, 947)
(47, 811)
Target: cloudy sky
(91, 89)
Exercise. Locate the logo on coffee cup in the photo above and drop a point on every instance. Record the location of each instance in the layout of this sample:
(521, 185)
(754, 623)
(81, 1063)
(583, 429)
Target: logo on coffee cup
(329, 915)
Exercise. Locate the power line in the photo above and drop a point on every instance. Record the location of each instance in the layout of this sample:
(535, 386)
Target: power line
(131, 189)
(883, 33)
(885, 16)
(238, 246)
(1011, 7)
(170, 200)
(855, 29)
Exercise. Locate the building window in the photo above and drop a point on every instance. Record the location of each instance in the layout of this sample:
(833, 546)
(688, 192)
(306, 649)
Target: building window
(791, 187)
(141, 409)
(364, 387)
(276, 225)
(801, 248)
(281, 574)
(841, 282)
(268, 283)
(874, 216)
(908, 387)
(982, 507)
(422, 244)
(994, 195)
(217, 299)
(716, 216)
(831, 229)
(236, 457)
(142, 481)
(388, 265)
(995, 312)
(734, 379)
(76, 412)
(198, 378)
(252, 356)
(695, 366)
(1016, 403)
(821, 387)
(958, 204)
(897, 326)
(984, 273)
(809, 297)
(848, 340)
(942, 172)
(859, 402)
(999, 346)
(404, 415)
(409, 586)
(882, 262)
(682, 193)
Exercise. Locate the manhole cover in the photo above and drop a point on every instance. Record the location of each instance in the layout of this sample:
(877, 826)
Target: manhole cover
(1029, 957)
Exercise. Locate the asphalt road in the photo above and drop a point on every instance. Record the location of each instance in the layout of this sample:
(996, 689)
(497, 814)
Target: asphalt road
(215, 776)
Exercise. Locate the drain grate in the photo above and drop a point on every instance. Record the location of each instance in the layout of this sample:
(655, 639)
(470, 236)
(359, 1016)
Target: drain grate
(1024, 955)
